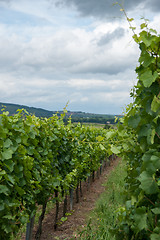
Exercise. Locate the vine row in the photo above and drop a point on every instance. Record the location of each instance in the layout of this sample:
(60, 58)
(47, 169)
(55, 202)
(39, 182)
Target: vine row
(42, 160)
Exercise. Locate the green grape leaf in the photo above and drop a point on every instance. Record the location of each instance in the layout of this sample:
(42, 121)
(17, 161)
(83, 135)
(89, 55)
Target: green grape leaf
(115, 150)
(130, 19)
(110, 134)
(8, 216)
(7, 143)
(146, 59)
(153, 133)
(140, 218)
(148, 78)
(10, 178)
(24, 219)
(155, 236)
(18, 139)
(2, 206)
(4, 189)
(99, 138)
(2, 172)
(156, 210)
(150, 136)
(90, 146)
(7, 154)
(9, 164)
(143, 25)
(102, 147)
(134, 121)
(20, 190)
(144, 130)
(56, 183)
(155, 105)
(148, 184)
(63, 219)
(146, 38)
(153, 30)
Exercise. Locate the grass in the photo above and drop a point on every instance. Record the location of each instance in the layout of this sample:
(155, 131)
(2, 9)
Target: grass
(104, 215)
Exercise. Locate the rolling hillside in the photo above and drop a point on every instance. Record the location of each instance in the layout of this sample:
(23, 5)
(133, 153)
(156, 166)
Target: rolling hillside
(76, 116)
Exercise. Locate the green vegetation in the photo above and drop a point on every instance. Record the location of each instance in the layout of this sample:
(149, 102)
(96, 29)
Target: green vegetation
(139, 144)
(81, 117)
(42, 157)
(105, 214)
(40, 160)
(137, 141)
(90, 118)
(38, 112)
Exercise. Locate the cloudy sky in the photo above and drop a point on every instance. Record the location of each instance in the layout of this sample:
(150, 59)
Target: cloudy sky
(81, 51)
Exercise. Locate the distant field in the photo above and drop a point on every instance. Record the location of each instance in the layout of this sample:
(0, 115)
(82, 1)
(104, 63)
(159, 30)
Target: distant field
(95, 125)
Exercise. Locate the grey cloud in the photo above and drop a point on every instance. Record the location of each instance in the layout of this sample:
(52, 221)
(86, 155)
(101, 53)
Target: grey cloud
(118, 33)
(154, 5)
(49, 60)
(105, 8)
(105, 65)
(5, 2)
(111, 69)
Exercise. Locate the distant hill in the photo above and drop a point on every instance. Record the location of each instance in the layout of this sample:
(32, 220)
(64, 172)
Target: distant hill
(76, 116)
(39, 112)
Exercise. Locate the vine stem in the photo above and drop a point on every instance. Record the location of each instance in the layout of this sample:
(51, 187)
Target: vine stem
(157, 135)
(149, 230)
(128, 20)
(149, 200)
(39, 230)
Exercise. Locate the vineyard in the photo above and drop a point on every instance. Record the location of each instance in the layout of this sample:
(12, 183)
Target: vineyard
(43, 160)
(139, 145)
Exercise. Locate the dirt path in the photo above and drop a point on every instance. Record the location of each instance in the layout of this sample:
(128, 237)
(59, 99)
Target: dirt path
(81, 210)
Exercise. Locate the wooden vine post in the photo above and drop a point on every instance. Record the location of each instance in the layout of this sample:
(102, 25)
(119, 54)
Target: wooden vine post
(71, 199)
(57, 210)
(29, 229)
(39, 230)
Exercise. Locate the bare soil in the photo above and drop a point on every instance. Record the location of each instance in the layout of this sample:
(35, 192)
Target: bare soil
(77, 220)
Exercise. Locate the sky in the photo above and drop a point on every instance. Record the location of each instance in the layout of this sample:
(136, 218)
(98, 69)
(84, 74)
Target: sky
(80, 52)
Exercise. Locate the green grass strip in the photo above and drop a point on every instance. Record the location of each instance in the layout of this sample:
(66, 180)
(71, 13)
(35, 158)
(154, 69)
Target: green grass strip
(104, 215)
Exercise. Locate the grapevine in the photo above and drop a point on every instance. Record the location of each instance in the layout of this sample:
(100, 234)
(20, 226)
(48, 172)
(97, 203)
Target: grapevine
(140, 145)
(41, 160)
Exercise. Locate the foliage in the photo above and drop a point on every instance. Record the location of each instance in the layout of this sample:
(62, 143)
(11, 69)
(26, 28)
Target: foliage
(103, 216)
(39, 156)
(140, 145)
(76, 116)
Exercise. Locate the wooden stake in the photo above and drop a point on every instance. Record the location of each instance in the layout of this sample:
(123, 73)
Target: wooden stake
(29, 230)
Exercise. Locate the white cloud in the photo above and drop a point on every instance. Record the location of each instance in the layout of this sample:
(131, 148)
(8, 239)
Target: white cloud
(108, 85)
(59, 58)
(155, 23)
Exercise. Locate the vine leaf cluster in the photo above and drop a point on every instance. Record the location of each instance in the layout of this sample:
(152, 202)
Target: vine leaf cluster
(140, 217)
(41, 160)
